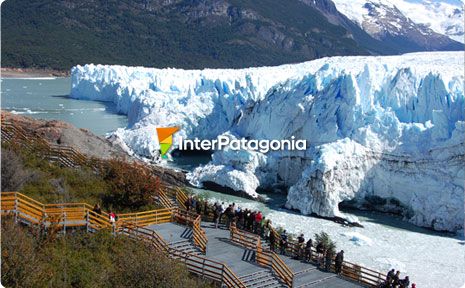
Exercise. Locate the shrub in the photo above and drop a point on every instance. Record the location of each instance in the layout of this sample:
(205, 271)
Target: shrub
(328, 244)
(129, 184)
(86, 260)
(14, 174)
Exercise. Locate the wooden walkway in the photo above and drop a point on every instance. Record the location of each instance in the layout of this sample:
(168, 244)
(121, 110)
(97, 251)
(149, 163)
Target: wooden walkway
(242, 260)
(206, 251)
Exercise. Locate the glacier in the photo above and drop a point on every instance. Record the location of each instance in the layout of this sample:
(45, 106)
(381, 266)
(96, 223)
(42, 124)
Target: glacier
(384, 131)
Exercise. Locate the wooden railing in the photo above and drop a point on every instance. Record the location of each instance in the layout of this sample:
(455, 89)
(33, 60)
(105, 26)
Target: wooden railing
(196, 264)
(243, 238)
(181, 198)
(146, 218)
(74, 214)
(350, 270)
(362, 275)
(66, 156)
(272, 260)
(264, 258)
(164, 199)
(199, 235)
(193, 220)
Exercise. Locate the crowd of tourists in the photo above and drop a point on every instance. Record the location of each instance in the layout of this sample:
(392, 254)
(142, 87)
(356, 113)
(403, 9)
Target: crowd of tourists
(393, 280)
(254, 221)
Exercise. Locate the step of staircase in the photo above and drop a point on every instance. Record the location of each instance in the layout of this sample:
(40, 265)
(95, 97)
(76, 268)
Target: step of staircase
(185, 246)
(261, 279)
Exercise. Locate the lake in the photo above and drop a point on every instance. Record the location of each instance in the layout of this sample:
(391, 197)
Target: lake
(47, 98)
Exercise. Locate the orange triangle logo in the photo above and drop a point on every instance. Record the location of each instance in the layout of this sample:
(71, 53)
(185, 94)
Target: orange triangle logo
(165, 133)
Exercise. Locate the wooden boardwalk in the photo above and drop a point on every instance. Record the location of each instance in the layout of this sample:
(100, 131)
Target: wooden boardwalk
(241, 260)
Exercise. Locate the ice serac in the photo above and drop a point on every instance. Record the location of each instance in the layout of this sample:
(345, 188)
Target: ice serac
(382, 132)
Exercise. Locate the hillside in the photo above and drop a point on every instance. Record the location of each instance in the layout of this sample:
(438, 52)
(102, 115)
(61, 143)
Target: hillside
(181, 33)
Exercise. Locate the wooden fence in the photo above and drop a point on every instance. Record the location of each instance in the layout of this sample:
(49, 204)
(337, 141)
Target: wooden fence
(196, 264)
(263, 257)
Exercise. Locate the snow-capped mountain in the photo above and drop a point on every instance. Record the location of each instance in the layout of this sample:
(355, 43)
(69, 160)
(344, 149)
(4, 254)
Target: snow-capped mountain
(384, 131)
(431, 25)
(442, 17)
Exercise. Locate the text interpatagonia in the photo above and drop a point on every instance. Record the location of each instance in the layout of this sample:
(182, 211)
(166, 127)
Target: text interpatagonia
(222, 141)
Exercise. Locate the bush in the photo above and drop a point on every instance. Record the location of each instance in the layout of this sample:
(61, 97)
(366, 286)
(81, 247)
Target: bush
(14, 174)
(117, 184)
(129, 184)
(86, 260)
(328, 244)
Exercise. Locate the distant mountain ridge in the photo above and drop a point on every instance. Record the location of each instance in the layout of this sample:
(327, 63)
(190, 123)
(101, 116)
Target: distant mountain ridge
(429, 25)
(185, 33)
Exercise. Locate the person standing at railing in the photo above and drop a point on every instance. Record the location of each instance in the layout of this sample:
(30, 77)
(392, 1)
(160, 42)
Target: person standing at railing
(223, 209)
(188, 203)
(404, 283)
(112, 218)
(300, 247)
(193, 203)
(239, 218)
(390, 277)
(264, 231)
(206, 209)
(272, 241)
(97, 209)
(266, 228)
(338, 262)
(229, 215)
(218, 212)
(308, 250)
(396, 279)
(283, 243)
(247, 219)
(329, 259)
(258, 220)
(320, 250)
(198, 208)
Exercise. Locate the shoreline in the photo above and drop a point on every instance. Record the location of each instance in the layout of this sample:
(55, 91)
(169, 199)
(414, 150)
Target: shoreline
(9, 72)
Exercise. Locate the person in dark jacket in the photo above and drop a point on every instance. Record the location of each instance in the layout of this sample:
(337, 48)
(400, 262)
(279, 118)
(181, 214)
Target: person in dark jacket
(283, 243)
(229, 215)
(205, 209)
(390, 277)
(219, 211)
(320, 250)
(338, 262)
(198, 208)
(240, 218)
(308, 250)
(97, 209)
(329, 259)
(300, 247)
(272, 241)
(404, 283)
(396, 279)
(188, 203)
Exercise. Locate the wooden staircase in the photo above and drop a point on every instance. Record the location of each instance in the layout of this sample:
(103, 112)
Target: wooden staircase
(262, 279)
(185, 247)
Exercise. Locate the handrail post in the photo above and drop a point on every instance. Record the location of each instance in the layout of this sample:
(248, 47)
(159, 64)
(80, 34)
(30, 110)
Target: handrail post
(203, 268)
(222, 275)
(64, 223)
(16, 207)
(87, 220)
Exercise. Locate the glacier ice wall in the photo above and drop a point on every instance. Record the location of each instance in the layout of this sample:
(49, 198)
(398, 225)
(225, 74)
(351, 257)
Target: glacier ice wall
(390, 127)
